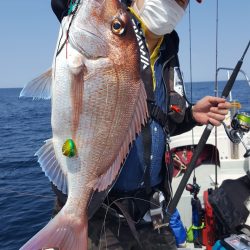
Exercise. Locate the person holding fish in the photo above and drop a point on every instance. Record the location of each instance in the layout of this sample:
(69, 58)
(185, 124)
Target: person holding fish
(114, 107)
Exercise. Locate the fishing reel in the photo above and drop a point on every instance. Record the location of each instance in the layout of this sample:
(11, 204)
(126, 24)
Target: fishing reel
(194, 188)
(240, 125)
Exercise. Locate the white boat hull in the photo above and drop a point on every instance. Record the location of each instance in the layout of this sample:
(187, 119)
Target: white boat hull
(232, 165)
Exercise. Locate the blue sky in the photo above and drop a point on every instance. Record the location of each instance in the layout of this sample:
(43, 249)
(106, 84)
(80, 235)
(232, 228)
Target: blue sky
(29, 32)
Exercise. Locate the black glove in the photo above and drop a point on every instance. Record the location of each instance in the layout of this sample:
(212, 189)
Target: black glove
(60, 8)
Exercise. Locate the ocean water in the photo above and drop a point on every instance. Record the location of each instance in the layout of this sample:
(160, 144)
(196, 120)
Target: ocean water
(26, 199)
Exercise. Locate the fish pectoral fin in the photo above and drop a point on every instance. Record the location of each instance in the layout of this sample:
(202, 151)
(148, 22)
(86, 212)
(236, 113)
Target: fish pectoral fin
(107, 179)
(40, 87)
(51, 167)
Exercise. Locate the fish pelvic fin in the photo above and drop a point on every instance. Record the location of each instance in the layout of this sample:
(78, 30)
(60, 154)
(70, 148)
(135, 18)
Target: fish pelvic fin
(64, 232)
(51, 167)
(40, 87)
(139, 119)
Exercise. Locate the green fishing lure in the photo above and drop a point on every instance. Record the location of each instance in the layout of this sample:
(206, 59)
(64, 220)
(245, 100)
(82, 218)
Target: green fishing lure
(69, 148)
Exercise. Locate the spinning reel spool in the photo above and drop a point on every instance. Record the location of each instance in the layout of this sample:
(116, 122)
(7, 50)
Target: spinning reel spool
(240, 125)
(241, 122)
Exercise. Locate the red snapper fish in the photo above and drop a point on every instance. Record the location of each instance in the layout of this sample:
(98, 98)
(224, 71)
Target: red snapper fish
(98, 107)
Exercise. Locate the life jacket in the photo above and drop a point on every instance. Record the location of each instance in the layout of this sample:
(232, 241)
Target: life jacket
(176, 102)
(149, 199)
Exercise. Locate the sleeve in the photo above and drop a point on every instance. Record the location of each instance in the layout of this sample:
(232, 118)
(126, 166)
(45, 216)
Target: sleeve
(187, 124)
(178, 126)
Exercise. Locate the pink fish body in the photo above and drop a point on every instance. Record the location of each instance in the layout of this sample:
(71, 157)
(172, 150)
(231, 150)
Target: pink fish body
(98, 103)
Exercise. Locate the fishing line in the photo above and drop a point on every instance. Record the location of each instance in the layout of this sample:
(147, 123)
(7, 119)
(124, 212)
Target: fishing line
(67, 35)
(73, 16)
(191, 69)
(216, 88)
(59, 50)
(190, 53)
(107, 207)
(129, 197)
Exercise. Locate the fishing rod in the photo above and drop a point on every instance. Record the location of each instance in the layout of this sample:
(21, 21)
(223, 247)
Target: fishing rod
(202, 142)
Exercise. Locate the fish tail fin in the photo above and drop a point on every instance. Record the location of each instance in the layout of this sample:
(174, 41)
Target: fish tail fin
(63, 232)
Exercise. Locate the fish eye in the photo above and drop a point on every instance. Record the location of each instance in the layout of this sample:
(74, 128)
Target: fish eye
(117, 26)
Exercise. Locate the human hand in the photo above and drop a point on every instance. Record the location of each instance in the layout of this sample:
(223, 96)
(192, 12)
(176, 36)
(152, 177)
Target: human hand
(210, 110)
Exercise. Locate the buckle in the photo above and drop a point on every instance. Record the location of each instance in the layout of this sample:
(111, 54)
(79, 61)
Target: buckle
(157, 218)
(156, 212)
(155, 110)
(166, 131)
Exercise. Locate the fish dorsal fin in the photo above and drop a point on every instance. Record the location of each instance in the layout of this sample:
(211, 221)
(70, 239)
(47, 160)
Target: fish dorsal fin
(51, 167)
(139, 119)
(40, 87)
